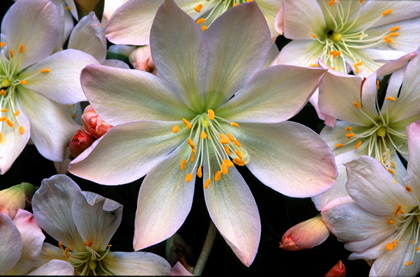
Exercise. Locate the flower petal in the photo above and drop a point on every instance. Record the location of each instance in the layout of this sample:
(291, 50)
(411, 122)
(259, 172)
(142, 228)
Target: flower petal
(136, 263)
(121, 95)
(301, 53)
(62, 82)
(373, 188)
(96, 218)
(182, 63)
(274, 94)
(51, 124)
(10, 244)
(235, 57)
(51, 205)
(157, 220)
(413, 163)
(233, 210)
(288, 157)
(34, 26)
(53, 267)
(270, 8)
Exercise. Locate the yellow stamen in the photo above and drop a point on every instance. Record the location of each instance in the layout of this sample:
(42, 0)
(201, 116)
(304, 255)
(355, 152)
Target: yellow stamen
(408, 263)
(391, 171)
(191, 143)
(394, 28)
(175, 129)
(223, 139)
(2, 44)
(339, 145)
(227, 149)
(21, 47)
(314, 36)
(239, 154)
(10, 123)
(183, 163)
(203, 28)
(198, 7)
(313, 65)
(331, 2)
(207, 183)
(358, 145)
(218, 175)
(199, 172)
(21, 130)
(228, 163)
(1, 137)
(391, 221)
(88, 243)
(68, 8)
(387, 12)
(3, 118)
(187, 124)
(193, 155)
(393, 165)
(389, 246)
(234, 124)
(225, 169)
(407, 188)
(210, 114)
(230, 137)
(16, 113)
(4, 110)
(3, 93)
(357, 105)
(23, 82)
(394, 34)
(237, 143)
(391, 98)
(11, 54)
(200, 20)
(238, 161)
(45, 70)
(349, 135)
(349, 128)
(203, 135)
(189, 177)
(377, 84)
(387, 39)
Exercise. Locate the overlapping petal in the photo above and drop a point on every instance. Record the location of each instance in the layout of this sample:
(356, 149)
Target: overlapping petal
(10, 244)
(136, 263)
(53, 267)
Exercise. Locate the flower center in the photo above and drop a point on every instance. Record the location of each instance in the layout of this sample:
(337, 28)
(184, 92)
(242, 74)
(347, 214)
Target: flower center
(211, 144)
(378, 139)
(343, 39)
(406, 222)
(210, 11)
(87, 262)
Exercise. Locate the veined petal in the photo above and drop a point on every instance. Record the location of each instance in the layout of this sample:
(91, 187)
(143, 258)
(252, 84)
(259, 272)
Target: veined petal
(32, 240)
(235, 57)
(413, 163)
(157, 220)
(373, 188)
(12, 141)
(136, 263)
(288, 157)
(131, 22)
(96, 218)
(50, 252)
(120, 95)
(34, 26)
(58, 76)
(54, 267)
(274, 94)
(233, 210)
(270, 8)
(301, 53)
(88, 36)
(51, 124)
(182, 63)
(52, 204)
(10, 244)
(135, 148)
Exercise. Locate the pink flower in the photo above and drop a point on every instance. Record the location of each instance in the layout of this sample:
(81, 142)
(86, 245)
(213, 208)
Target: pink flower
(79, 142)
(93, 124)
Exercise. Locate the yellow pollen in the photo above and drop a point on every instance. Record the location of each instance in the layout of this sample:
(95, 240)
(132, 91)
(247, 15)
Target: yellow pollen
(203, 135)
(356, 66)
(394, 28)
(16, 113)
(335, 54)
(391, 98)
(391, 221)
(331, 2)
(314, 36)
(183, 163)
(407, 188)
(200, 20)
(387, 39)
(73, 115)
(393, 164)
(349, 128)
(228, 163)
(21, 130)
(227, 149)
(23, 82)
(203, 28)
(2, 44)
(60, 245)
(4, 110)
(67, 8)
(391, 171)
(389, 246)
(192, 156)
(10, 123)
(397, 210)
(11, 54)
(239, 154)
(198, 7)
(377, 84)
(238, 161)
(207, 183)
(189, 177)
(234, 5)
(45, 70)
(225, 169)
(362, 1)
(175, 129)
(210, 114)
(230, 137)
(88, 243)
(357, 105)
(313, 65)
(394, 34)
(223, 139)
(358, 145)
(394, 243)
(218, 175)
(349, 135)
(408, 263)
(199, 172)
(3, 118)
(237, 143)
(387, 12)
(187, 124)
(1, 137)
(3, 93)
(21, 47)
(191, 143)
(339, 145)
(234, 124)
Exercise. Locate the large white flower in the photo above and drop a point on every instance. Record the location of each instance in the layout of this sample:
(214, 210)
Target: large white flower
(209, 111)
(35, 88)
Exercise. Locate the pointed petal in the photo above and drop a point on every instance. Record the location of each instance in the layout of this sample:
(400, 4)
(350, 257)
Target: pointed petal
(96, 218)
(131, 22)
(413, 163)
(300, 52)
(135, 149)
(62, 83)
(122, 95)
(32, 240)
(157, 220)
(269, 8)
(32, 25)
(234, 57)
(54, 267)
(182, 63)
(51, 124)
(233, 210)
(288, 157)
(278, 91)
(51, 205)
(373, 188)
(10, 244)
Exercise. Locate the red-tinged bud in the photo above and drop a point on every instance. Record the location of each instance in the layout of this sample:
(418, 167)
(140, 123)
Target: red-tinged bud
(141, 59)
(79, 142)
(338, 270)
(307, 234)
(93, 124)
(15, 197)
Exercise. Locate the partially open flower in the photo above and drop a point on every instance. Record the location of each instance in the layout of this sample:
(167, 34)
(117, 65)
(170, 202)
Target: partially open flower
(93, 124)
(14, 198)
(337, 270)
(79, 142)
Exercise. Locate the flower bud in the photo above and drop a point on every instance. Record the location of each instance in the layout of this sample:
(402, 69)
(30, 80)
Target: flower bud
(14, 198)
(79, 142)
(93, 124)
(338, 270)
(307, 234)
(141, 59)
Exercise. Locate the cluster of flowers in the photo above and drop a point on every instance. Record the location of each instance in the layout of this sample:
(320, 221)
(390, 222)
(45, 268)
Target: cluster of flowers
(205, 92)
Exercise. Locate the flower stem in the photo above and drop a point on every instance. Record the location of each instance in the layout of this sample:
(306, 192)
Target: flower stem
(205, 251)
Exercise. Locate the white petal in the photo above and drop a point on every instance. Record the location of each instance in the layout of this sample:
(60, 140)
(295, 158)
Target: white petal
(288, 157)
(133, 148)
(300, 52)
(413, 163)
(51, 205)
(157, 220)
(54, 267)
(10, 243)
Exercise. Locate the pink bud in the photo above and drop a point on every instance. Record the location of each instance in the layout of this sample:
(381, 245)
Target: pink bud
(93, 124)
(307, 234)
(338, 270)
(79, 142)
